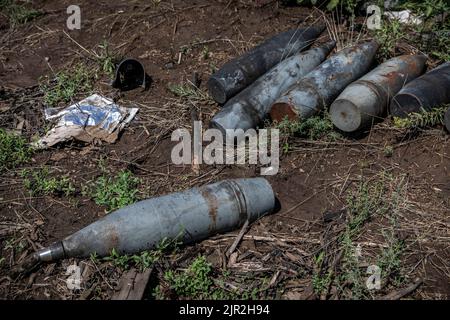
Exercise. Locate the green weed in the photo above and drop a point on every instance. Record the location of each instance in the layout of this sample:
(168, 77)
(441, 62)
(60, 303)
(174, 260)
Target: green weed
(38, 182)
(14, 150)
(17, 13)
(389, 260)
(388, 36)
(187, 91)
(196, 282)
(106, 59)
(313, 128)
(321, 282)
(369, 200)
(141, 261)
(114, 192)
(67, 84)
(388, 151)
(424, 119)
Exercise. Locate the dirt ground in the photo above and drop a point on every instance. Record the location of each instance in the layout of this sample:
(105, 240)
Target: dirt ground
(279, 252)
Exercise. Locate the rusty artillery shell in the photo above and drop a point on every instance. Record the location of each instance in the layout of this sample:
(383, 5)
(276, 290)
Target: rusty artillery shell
(320, 87)
(239, 73)
(248, 108)
(424, 93)
(367, 98)
(187, 216)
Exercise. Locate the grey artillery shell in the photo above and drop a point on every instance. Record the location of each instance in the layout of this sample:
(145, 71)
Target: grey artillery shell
(247, 109)
(367, 98)
(239, 73)
(321, 86)
(188, 216)
(428, 91)
(447, 120)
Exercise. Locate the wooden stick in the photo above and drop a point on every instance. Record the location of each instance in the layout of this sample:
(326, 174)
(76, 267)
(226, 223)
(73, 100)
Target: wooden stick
(398, 294)
(238, 238)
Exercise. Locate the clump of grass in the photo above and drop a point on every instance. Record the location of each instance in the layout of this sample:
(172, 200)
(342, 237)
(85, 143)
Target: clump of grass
(388, 151)
(141, 261)
(389, 260)
(424, 119)
(39, 182)
(14, 150)
(312, 128)
(431, 36)
(348, 5)
(67, 84)
(388, 36)
(114, 192)
(106, 59)
(195, 282)
(17, 13)
(321, 282)
(186, 91)
(369, 200)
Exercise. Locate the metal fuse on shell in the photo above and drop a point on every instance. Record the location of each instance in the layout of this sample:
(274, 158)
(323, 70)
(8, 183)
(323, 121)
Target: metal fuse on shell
(321, 86)
(367, 98)
(428, 91)
(248, 108)
(188, 216)
(239, 73)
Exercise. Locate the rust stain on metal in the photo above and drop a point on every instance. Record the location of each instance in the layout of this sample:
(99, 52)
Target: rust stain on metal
(113, 239)
(282, 110)
(212, 208)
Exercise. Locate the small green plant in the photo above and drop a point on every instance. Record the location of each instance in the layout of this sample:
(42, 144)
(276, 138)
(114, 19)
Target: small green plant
(195, 282)
(432, 35)
(348, 5)
(389, 260)
(369, 200)
(16, 246)
(17, 13)
(350, 269)
(205, 53)
(419, 120)
(14, 150)
(321, 282)
(388, 151)
(114, 192)
(67, 84)
(106, 60)
(187, 91)
(141, 261)
(118, 260)
(388, 36)
(39, 182)
(2, 260)
(313, 128)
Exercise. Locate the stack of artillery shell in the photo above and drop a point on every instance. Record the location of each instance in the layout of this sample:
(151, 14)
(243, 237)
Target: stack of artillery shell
(367, 98)
(424, 93)
(247, 109)
(239, 73)
(187, 216)
(320, 87)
